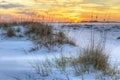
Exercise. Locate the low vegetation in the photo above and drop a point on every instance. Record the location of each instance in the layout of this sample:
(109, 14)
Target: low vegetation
(66, 66)
(40, 34)
(91, 60)
(10, 32)
(43, 35)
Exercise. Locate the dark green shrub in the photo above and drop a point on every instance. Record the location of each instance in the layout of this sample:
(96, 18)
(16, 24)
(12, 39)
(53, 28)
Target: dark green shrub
(10, 32)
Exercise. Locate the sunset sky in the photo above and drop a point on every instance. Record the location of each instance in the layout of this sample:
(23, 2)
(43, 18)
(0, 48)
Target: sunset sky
(61, 10)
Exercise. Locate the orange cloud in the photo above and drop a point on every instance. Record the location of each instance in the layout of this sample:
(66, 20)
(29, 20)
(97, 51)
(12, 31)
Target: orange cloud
(62, 10)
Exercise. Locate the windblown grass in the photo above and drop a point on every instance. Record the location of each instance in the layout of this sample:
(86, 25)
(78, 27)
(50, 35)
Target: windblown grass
(43, 35)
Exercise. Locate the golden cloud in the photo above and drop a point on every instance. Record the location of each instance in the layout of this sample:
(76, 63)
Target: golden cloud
(75, 10)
